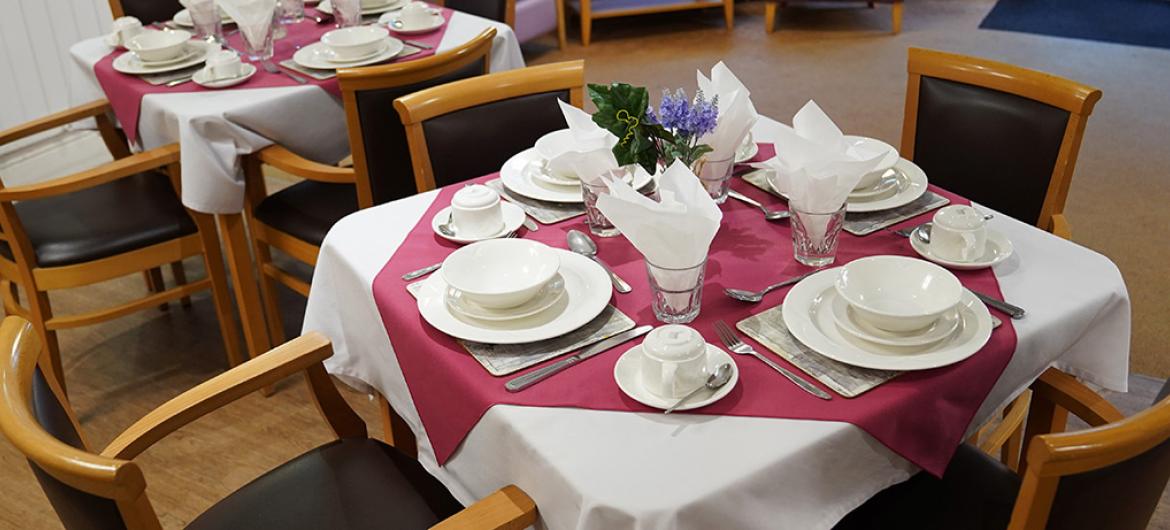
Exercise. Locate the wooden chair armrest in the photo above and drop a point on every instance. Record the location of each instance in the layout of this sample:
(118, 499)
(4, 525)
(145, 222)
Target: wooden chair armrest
(509, 508)
(300, 354)
(88, 110)
(1012, 423)
(290, 162)
(1066, 392)
(1060, 227)
(109, 172)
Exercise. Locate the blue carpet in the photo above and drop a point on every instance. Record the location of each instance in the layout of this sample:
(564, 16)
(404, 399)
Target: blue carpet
(1137, 22)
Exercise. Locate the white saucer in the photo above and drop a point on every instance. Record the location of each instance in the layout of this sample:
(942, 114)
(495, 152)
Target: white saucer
(325, 6)
(886, 185)
(332, 57)
(128, 63)
(183, 18)
(998, 248)
(808, 315)
(518, 175)
(435, 23)
(847, 320)
(628, 374)
(317, 55)
(746, 151)
(513, 218)
(587, 293)
(200, 77)
(548, 296)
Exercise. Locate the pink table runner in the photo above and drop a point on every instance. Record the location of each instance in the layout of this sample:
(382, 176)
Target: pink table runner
(125, 92)
(919, 415)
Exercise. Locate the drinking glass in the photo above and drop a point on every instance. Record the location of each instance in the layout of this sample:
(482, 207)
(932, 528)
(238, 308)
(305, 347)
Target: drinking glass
(258, 38)
(815, 234)
(292, 11)
(347, 12)
(678, 293)
(598, 224)
(207, 21)
(715, 174)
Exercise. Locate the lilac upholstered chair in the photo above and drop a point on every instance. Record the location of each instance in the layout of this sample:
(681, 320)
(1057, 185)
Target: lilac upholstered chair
(538, 17)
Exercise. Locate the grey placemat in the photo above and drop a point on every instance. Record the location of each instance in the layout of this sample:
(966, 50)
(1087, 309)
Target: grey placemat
(174, 75)
(322, 75)
(768, 329)
(544, 212)
(504, 359)
(861, 224)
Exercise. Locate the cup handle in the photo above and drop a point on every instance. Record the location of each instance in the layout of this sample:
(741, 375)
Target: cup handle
(669, 373)
(969, 241)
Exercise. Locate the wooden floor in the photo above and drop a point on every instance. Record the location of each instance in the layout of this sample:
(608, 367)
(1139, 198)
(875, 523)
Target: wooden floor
(119, 371)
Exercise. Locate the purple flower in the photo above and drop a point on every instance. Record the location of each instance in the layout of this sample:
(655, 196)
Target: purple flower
(685, 117)
(704, 115)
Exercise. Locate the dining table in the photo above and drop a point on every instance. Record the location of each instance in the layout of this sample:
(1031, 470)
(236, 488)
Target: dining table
(590, 468)
(215, 128)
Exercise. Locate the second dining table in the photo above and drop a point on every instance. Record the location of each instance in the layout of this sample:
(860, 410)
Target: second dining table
(588, 468)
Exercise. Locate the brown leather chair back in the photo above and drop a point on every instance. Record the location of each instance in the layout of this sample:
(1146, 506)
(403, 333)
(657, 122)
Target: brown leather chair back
(77, 509)
(148, 11)
(1000, 135)
(377, 138)
(497, 10)
(1122, 496)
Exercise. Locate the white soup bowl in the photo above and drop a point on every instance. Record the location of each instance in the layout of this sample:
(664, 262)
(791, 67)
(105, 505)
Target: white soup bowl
(355, 42)
(155, 46)
(501, 273)
(897, 293)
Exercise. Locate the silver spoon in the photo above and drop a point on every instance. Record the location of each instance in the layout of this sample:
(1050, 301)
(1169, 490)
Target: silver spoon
(755, 296)
(721, 376)
(769, 215)
(447, 228)
(581, 244)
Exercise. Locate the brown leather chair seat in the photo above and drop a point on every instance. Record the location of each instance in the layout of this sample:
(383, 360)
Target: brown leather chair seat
(103, 221)
(347, 484)
(308, 209)
(977, 492)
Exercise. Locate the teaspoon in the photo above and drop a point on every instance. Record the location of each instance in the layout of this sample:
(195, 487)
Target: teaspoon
(755, 296)
(721, 376)
(581, 244)
(769, 215)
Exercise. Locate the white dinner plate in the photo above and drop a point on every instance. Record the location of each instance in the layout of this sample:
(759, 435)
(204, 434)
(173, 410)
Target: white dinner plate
(325, 6)
(513, 218)
(183, 18)
(746, 151)
(128, 63)
(911, 186)
(998, 248)
(518, 175)
(849, 321)
(392, 19)
(587, 293)
(808, 315)
(887, 185)
(547, 297)
(317, 55)
(628, 374)
(200, 77)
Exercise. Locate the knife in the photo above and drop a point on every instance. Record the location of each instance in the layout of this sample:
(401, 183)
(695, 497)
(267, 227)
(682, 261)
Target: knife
(1014, 311)
(536, 376)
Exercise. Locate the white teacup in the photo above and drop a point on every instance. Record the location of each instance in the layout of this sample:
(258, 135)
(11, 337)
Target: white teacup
(674, 361)
(959, 233)
(124, 29)
(476, 212)
(415, 14)
(224, 64)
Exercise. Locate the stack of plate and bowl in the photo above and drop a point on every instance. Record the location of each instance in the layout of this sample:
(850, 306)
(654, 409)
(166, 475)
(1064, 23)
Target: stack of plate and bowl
(512, 291)
(888, 313)
(349, 47)
(369, 7)
(153, 52)
(544, 172)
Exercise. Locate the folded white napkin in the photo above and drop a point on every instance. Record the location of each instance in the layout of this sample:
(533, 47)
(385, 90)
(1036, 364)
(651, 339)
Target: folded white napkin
(253, 17)
(673, 233)
(195, 3)
(814, 164)
(590, 151)
(737, 115)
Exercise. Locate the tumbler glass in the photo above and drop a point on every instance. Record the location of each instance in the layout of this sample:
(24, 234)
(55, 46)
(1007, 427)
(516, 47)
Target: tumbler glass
(678, 293)
(258, 38)
(598, 224)
(207, 21)
(815, 234)
(347, 12)
(715, 174)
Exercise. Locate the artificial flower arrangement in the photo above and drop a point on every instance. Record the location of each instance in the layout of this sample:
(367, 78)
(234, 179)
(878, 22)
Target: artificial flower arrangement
(647, 136)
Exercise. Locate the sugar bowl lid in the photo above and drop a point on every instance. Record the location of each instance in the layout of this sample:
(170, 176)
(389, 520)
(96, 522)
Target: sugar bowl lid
(674, 342)
(475, 196)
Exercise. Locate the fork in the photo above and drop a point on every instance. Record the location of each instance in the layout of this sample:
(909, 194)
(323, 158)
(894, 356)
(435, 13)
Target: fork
(272, 69)
(733, 343)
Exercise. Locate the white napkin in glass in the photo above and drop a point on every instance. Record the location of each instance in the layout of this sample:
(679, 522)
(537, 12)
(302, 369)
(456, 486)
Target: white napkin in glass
(814, 164)
(675, 232)
(591, 146)
(737, 115)
(253, 17)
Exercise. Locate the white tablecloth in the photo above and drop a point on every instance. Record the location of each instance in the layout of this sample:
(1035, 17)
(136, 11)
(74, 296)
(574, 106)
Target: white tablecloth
(214, 128)
(616, 470)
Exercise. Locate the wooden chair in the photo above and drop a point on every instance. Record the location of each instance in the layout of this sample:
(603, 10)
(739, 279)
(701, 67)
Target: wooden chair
(497, 10)
(1110, 476)
(119, 218)
(296, 219)
(148, 11)
(997, 134)
(352, 482)
(494, 116)
(771, 7)
(588, 12)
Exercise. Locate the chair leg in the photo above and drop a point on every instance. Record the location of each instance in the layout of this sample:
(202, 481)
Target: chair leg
(586, 22)
(769, 16)
(155, 284)
(268, 292)
(213, 260)
(41, 312)
(897, 17)
(562, 41)
(729, 14)
(180, 275)
(395, 430)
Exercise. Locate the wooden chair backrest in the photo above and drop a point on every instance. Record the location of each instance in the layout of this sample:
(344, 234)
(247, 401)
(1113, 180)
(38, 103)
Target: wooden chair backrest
(999, 134)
